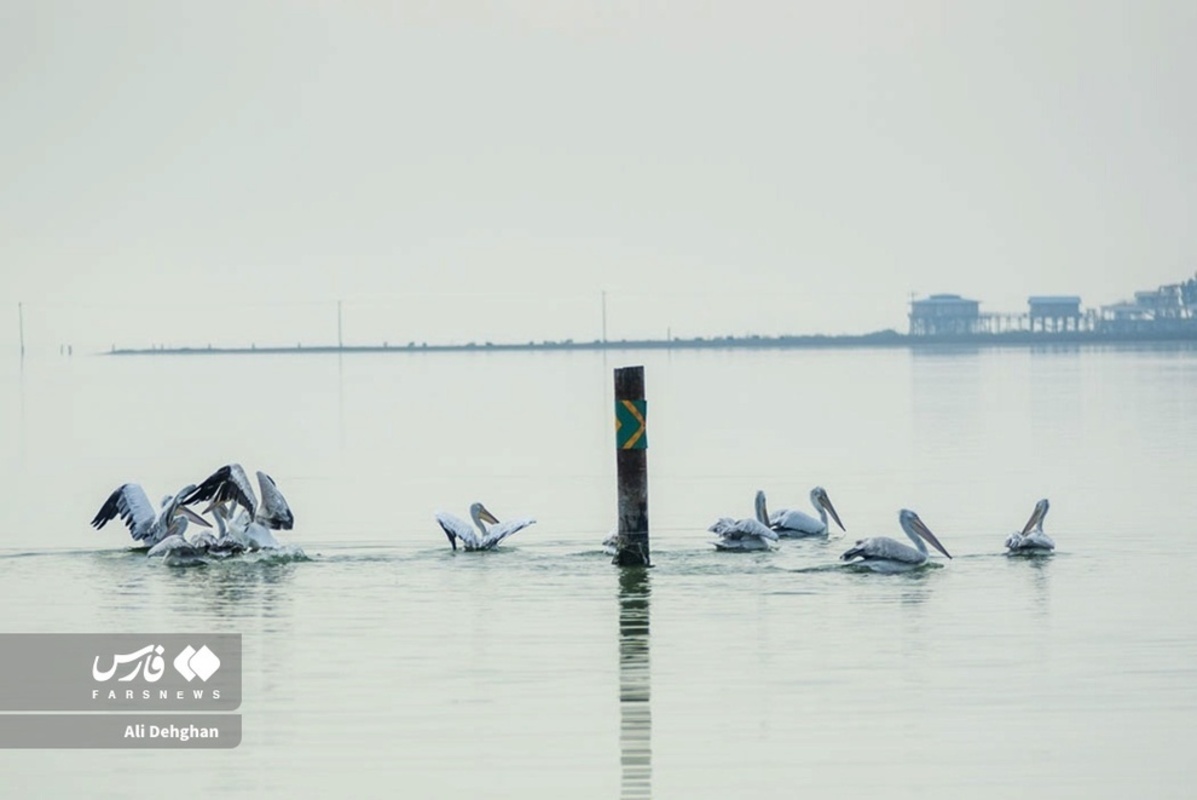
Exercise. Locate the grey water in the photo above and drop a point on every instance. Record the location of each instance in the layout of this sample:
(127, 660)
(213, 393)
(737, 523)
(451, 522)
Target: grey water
(386, 665)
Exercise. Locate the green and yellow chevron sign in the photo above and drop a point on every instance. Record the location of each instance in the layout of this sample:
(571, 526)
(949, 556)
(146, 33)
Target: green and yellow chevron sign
(629, 424)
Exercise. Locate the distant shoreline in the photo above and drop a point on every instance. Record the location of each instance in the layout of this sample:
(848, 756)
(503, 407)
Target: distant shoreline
(869, 340)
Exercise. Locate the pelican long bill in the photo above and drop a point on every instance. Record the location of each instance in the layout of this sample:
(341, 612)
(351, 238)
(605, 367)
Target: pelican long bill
(1036, 516)
(929, 537)
(194, 517)
(826, 503)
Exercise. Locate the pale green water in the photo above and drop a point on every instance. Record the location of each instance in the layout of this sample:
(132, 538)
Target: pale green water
(387, 666)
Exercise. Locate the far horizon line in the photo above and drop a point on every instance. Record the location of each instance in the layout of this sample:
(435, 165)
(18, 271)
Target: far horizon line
(883, 338)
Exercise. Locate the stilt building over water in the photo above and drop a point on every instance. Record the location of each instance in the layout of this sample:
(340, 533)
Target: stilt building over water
(1171, 308)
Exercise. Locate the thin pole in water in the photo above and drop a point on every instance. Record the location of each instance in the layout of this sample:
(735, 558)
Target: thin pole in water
(631, 461)
(21, 322)
(604, 317)
(340, 341)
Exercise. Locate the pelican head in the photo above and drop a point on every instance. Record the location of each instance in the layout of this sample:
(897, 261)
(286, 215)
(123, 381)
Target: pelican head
(1036, 520)
(914, 526)
(176, 507)
(762, 513)
(819, 498)
(479, 514)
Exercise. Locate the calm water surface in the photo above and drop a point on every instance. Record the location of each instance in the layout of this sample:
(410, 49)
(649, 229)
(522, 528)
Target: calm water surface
(388, 666)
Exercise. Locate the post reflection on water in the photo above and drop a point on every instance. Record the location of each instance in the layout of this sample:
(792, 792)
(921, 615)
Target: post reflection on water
(635, 709)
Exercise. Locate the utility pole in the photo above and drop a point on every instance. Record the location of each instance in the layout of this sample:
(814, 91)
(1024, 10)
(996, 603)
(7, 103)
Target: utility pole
(604, 317)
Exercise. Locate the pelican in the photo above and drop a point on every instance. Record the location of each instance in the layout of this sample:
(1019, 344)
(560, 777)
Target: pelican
(237, 532)
(611, 543)
(882, 554)
(227, 488)
(179, 546)
(230, 539)
(145, 524)
(745, 534)
(1032, 540)
(793, 523)
(484, 538)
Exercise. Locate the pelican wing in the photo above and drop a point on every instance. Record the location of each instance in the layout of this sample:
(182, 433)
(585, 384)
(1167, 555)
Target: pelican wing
(501, 530)
(1035, 540)
(133, 507)
(722, 526)
(457, 528)
(169, 545)
(260, 537)
(275, 511)
(728, 528)
(747, 543)
(792, 519)
(883, 548)
(227, 483)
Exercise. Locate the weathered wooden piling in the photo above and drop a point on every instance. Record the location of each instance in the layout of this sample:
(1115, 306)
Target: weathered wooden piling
(631, 461)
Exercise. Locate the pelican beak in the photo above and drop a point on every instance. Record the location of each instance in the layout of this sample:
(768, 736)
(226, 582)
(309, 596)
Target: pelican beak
(929, 537)
(825, 501)
(486, 516)
(194, 517)
(1036, 517)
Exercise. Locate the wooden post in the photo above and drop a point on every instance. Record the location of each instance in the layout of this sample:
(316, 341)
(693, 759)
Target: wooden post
(631, 461)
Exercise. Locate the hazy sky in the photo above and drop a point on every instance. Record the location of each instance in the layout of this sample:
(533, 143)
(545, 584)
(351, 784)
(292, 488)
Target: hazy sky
(225, 171)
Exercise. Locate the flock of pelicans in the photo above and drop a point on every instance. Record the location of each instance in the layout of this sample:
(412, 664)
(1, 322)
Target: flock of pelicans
(878, 553)
(244, 524)
(239, 530)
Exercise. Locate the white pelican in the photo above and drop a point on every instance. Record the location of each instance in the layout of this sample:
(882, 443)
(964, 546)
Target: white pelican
(237, 532)
(792, 522)
(252, 526)
(180, 546)
(611, 543)
(232, 538)
(484, 538)
(145, 524)
(745, 534)
(882, 554)
(1032, 540)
